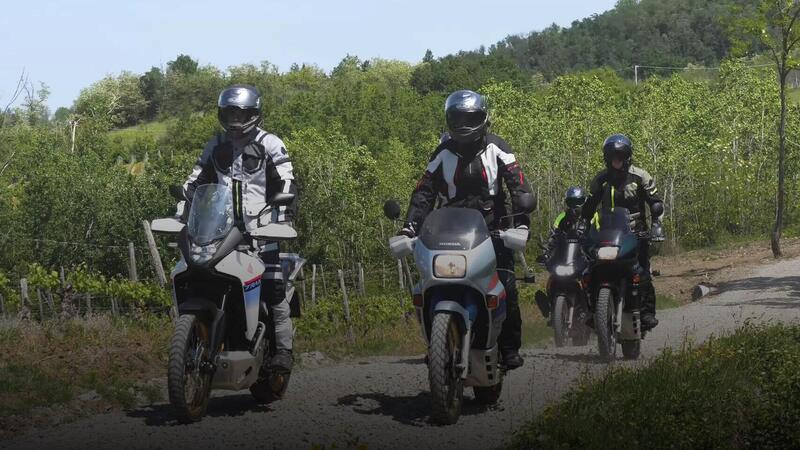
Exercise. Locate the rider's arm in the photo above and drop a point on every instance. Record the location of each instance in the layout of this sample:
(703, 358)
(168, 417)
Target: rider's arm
(203, 171)
(424, 196)
(280, 177)
(595, 195)
(511, 172)
(649, 192)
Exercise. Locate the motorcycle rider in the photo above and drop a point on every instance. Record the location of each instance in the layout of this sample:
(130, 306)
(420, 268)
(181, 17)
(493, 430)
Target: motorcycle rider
(465, 171)
(625, 185)
(256, 166)
(569, 221)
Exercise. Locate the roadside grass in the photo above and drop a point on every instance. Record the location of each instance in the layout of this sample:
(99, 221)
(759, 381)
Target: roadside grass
(129, 135)
(382, 328)
(667, 302)
(739, 391)
(52, 362)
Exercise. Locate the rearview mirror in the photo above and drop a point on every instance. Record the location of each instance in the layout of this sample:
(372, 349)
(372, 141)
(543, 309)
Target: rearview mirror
(391, 210)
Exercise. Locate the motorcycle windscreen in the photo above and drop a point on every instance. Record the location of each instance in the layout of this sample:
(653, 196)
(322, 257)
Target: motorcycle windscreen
(211, 216)
(610, 226)
(454, 229)
(566, 252)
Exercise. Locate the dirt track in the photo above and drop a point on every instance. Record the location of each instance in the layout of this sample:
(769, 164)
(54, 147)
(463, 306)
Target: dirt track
(383, 402)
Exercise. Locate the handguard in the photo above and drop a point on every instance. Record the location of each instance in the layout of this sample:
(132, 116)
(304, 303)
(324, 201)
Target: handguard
(515, 238)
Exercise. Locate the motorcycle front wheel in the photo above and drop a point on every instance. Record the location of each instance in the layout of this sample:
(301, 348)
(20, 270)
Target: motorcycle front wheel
(560, 317)
(188, 384)
(447, 388)
(604, 324)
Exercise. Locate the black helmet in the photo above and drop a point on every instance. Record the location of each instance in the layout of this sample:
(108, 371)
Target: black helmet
(467, 116)
(239, 109)
(618, 146)
(575, 198)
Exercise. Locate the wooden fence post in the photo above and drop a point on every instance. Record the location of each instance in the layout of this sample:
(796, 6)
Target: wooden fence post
(151, 243)
(400, 273)
(383, 275)
(303, 285)
(23, 290)
(2, 306)
(324, 284)
(350, 335)
(313, 284)
(361, 288)
(132, 263)
(41, 306)
(89, 304)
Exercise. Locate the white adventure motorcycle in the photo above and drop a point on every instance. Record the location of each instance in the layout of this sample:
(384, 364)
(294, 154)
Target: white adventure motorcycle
(222, 339)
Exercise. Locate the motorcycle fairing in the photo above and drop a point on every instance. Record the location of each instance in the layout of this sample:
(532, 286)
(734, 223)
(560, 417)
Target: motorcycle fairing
(248, 270)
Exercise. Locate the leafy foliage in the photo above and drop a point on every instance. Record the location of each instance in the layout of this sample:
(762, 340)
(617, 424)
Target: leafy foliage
(739, 391)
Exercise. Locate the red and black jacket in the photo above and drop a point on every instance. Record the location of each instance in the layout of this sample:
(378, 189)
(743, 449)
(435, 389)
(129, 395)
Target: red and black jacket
(471, 178)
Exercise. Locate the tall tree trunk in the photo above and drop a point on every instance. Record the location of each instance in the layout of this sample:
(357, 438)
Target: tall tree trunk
(776, 231)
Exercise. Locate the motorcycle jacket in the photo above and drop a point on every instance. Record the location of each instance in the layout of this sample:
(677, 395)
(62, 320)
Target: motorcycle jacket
(471, 178)
(630, 189)
(256, 167)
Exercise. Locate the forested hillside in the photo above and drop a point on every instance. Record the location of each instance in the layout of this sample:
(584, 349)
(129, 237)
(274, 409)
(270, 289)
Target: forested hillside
(671, 33)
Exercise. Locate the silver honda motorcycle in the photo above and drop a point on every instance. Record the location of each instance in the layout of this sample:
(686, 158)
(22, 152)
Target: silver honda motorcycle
(460, 303)
(222, 339)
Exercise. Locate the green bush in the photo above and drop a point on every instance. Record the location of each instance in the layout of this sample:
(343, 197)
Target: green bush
(327, 318)
(741, 391)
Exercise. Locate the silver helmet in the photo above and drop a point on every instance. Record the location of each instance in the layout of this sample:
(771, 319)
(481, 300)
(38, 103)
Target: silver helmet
(239, 109)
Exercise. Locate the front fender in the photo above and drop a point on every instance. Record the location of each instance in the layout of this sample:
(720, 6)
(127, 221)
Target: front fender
(456, 310)
(199, 307)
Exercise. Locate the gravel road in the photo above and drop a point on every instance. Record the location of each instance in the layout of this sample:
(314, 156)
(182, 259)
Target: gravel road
(384, 403)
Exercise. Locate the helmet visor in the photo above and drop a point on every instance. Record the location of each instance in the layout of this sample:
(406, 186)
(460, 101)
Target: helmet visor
(236, 117)
(575, 202)
(470, 120)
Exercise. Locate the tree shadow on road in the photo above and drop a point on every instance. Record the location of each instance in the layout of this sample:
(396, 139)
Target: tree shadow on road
(161, 415)
(773, 302)
(791, 284)
(408, 410)
(786, 285)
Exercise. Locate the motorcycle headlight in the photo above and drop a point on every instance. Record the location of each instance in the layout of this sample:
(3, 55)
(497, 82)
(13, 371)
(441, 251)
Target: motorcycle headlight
(565, 271)
(607, 252)
(201, 254)
(450, 266)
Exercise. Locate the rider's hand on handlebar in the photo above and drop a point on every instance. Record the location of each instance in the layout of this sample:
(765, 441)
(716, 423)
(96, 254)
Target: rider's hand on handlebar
(407, 230)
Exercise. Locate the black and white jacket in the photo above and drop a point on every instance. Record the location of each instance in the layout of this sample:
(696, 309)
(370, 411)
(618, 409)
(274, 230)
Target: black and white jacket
(256, 169)
(471, 182)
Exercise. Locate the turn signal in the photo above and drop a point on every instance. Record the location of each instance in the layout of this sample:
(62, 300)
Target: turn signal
(418, 301)
(492, 301)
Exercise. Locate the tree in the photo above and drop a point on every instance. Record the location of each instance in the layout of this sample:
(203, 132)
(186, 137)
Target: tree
(774, 24)
(113, 101)
(183, 64)
(62, 115)
(151, 85)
